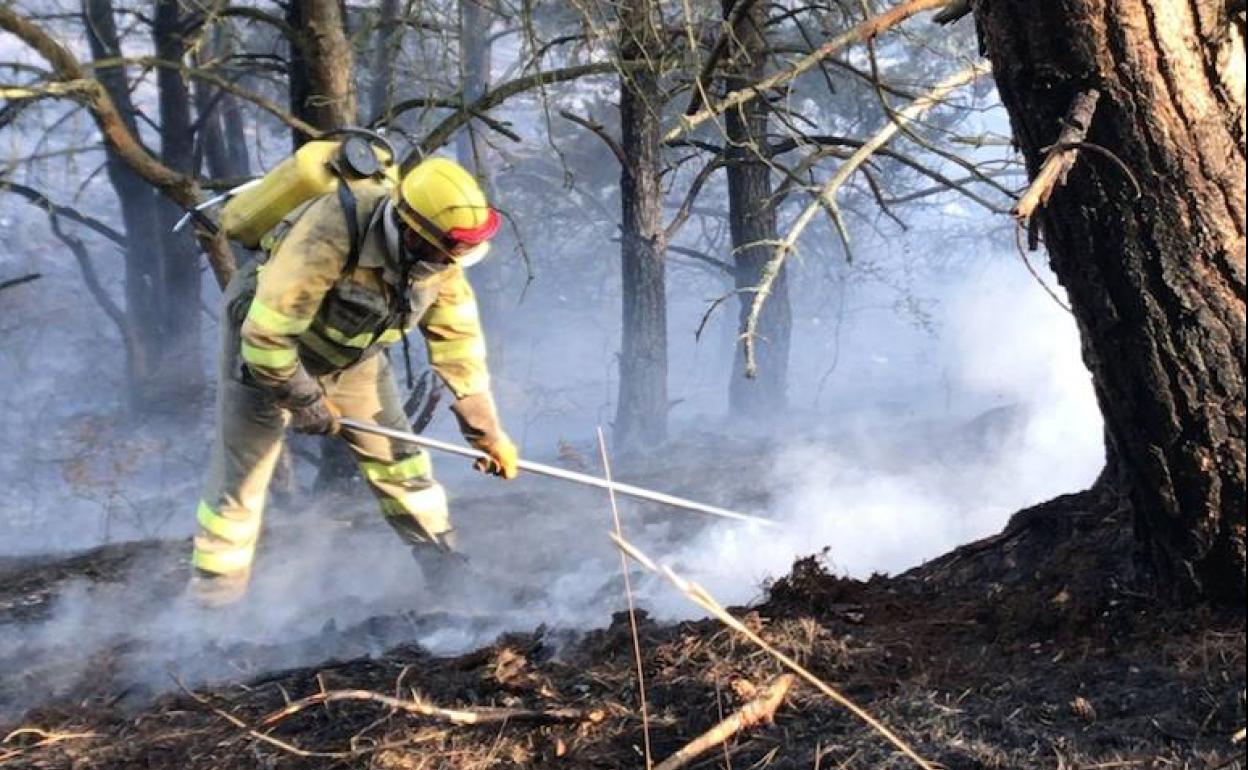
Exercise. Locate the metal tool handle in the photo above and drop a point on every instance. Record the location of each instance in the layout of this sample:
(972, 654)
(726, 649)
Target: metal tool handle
(558, 473)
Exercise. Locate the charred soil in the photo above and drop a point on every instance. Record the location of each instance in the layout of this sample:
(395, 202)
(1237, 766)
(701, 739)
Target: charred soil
(1030, 649)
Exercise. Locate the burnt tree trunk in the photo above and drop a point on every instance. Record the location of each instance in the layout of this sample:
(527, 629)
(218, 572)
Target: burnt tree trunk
(323, 93)
(752, 220)
(181, 372)
(1154, 269)
(137, 202)
(641, 414)
(322, 66)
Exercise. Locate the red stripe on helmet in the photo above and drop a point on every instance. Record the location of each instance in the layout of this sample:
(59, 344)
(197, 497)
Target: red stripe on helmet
(479, 234)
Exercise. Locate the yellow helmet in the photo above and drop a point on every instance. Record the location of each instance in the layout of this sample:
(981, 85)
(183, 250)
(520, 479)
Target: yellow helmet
(442, 203)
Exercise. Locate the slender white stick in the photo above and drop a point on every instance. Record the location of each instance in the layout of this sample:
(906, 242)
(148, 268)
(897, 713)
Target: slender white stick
(632, 610)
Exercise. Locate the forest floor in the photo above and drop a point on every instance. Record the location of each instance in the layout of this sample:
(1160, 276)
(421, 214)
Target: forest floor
(1028, 649)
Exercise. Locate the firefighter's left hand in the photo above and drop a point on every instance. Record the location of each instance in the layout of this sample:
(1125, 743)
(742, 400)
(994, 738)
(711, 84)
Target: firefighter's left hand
(318, 418)
(502, 459)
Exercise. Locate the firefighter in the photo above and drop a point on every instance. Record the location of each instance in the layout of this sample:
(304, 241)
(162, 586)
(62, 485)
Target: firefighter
(302, 345)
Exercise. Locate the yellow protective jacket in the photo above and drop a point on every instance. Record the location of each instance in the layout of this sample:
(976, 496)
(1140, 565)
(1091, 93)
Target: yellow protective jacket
(309, 311)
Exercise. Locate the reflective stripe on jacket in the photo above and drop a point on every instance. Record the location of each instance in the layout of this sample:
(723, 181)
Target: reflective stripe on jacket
(306, 311)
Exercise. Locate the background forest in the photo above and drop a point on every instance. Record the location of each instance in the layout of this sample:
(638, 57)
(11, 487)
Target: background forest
(885, 273)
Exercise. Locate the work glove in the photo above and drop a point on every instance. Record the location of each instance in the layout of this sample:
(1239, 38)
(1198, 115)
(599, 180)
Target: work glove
(478, 421)
(310, 411)
(319, 418)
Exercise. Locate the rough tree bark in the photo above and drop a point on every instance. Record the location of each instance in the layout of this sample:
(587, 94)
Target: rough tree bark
(1154, 267)
(641, 414)
(752, 219)
(322, 66)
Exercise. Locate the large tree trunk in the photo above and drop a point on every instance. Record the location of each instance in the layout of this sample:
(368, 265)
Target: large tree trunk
(1156, 276)
(752, 218)
(641, 414)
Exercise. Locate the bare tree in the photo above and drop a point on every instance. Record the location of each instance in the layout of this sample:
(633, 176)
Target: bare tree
(641, 412)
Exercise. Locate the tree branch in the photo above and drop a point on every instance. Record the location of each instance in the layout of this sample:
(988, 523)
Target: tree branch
(760, 710)
(1062, 155)
(827, 197)
(180, 188)
(856, 34)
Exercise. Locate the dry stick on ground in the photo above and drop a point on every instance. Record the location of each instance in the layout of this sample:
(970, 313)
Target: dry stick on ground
(701, 597)
(1062, 155)
(632, 610)
(760, 710)
(856, 34)
(421, 708)
(826, 199)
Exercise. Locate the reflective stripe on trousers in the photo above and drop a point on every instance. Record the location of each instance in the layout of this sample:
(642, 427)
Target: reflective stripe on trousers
(250, 434)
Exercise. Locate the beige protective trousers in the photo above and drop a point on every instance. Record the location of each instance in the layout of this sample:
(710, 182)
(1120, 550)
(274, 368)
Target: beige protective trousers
(251, 429)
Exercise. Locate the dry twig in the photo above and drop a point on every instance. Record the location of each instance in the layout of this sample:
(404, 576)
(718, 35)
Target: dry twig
(826, 198)
(1062, 155)
(760, 710)
(421, 708)
(701, 597)
(632, 609)
(856, 34)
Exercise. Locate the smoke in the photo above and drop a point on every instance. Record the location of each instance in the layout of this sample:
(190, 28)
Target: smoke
(885, 492)
(930, 435)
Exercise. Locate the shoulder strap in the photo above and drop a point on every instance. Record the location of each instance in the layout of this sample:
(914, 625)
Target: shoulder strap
(346, 199)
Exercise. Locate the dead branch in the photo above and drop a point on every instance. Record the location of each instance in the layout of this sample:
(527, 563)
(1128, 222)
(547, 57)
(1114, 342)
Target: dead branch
(256, 734)
(1062, 155)
(731, 31)
(420, 707)
(632, 607)
(72, 214)
(955, 11)
(827, 197)
(10, 283)
(442, 133)
(760, 710)
(859, 33)
(180, 188)
(600, 131)
(703, 598)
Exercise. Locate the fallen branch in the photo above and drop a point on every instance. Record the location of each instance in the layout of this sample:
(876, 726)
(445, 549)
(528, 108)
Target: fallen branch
(701, 597)
(421, 708)
(826, 199)
(856, 34)
(1062, 155)
(761, 710)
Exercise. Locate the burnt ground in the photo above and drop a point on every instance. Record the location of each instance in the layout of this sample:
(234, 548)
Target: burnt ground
(1031, 649)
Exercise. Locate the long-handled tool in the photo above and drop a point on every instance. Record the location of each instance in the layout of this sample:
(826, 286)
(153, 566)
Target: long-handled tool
(557, 473)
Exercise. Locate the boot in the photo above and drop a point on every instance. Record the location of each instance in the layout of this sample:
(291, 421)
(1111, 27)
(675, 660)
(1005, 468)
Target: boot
(212, 591)
(453, 578)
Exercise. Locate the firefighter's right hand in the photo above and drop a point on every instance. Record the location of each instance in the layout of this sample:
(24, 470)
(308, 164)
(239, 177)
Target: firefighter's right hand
(501, 458)
(319, 417)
